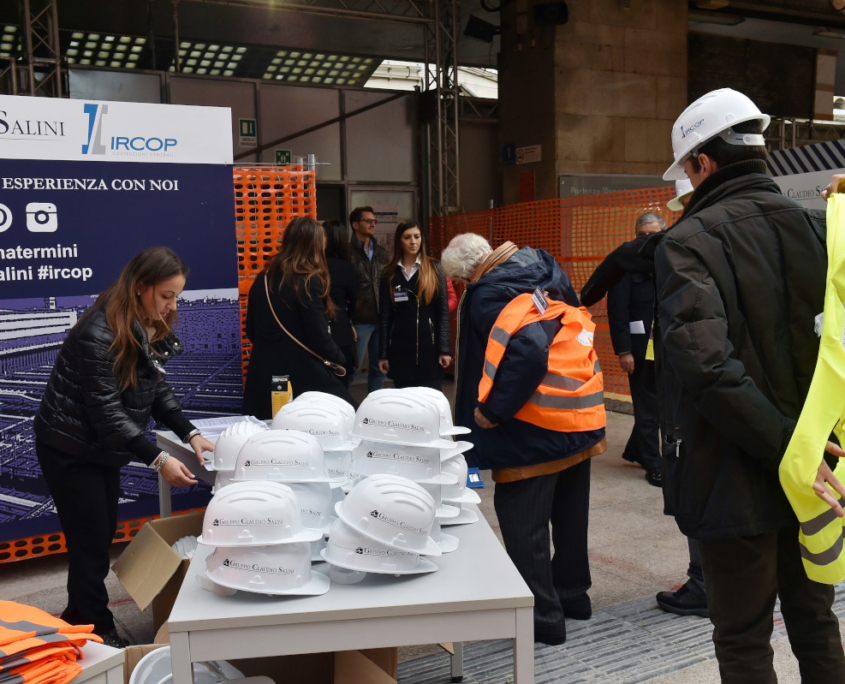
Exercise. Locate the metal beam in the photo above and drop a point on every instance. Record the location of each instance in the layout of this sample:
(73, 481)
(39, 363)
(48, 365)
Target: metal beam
(41, 67)
(443, 92)
(395, 11)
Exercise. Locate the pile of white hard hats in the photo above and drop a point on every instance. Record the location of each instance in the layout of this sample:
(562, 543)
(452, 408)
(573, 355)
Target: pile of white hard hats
(228, 447)
(261, 544)
(365, 491)
(384, 527)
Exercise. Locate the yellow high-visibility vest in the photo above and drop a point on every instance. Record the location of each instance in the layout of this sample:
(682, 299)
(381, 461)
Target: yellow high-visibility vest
(821, 533)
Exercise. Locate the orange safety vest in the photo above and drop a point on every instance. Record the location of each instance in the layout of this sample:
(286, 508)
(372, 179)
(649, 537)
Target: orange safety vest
(570, 397)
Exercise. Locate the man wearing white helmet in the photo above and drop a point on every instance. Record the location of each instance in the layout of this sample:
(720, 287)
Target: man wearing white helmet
(740, 279)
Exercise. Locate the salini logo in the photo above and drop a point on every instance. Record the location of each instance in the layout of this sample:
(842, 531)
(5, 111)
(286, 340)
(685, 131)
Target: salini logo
(275, 462)
(392, 456)
(383, 553)
(395, 424)
(255, 567)
(121, 145)
(30, 129)
(398, 523)
(233, 522)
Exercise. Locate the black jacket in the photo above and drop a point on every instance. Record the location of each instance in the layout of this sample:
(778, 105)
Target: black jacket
(367, 278)
(513, 442)
(740, 279)
(631, 301)
(412, 333)
(84, 414)
(344, 295)
(275, 353)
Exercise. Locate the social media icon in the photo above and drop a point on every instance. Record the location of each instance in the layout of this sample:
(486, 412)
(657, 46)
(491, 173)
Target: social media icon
(5, 218)
(41, 217)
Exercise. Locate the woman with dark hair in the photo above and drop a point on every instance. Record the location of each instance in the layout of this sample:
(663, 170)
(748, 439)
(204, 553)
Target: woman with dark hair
(106, 383)
(287, 321)
(343, 293)
(413, 314)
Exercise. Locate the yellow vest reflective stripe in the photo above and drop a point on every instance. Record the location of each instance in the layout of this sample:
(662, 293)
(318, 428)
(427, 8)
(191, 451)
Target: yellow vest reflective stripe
(821, 532)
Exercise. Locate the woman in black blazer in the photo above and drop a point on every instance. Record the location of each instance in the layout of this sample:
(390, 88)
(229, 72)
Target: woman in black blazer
(413, 314)
(298, 282)
(343, 293)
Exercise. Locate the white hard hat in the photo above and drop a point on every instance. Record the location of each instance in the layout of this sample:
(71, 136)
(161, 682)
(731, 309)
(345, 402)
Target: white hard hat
(341, 405)
(415, 463)
(282, 570)
(317, 549)
(447, 542)
(459, 493)
(457, 448)
(683, 188)
(467, 517)
(315, 504)
(399, 418)
(392, 511)
(282, 456)
(223, 478)
(447, 427)
(349, 549)
(444, 510)
(321, 420)
(231, 440)
(254, 514)
(338, 464)
(710, 115)
(156, 668)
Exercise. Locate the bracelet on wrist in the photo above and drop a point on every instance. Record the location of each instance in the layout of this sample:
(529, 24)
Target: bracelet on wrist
(193, 433)
(158, 464)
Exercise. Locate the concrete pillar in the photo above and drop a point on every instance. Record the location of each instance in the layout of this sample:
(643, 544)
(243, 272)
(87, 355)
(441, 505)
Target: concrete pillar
(599, 93)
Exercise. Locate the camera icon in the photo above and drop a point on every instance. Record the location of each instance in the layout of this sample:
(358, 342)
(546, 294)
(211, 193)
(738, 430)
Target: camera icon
(41, 217)
(5, 218)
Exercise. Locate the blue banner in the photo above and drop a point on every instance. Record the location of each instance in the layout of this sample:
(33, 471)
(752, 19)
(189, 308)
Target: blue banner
(67, 228)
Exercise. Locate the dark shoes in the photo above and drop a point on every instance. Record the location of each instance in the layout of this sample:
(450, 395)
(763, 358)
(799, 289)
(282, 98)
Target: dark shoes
(113, 639)
(654, 477)
(579, 608)
(549, 639)
(683, 602)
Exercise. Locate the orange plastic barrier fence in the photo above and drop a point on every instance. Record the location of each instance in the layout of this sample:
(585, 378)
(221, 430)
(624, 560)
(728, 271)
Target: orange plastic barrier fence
(266, 199)
(578, 231)
(48, 544)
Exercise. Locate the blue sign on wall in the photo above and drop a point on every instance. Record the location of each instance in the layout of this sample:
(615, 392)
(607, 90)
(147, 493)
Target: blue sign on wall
(76, 204)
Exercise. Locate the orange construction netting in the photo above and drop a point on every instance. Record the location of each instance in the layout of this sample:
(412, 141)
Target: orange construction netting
(267, 198)
(578, 231)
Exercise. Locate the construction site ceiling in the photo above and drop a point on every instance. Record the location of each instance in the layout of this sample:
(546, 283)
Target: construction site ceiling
(392, 29)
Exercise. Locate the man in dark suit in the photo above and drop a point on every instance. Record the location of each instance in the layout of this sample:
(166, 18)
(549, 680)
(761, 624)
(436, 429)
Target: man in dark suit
(630, 309)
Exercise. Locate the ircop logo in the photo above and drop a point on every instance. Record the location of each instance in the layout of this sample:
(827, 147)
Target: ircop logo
(121, 144)
(689, 129)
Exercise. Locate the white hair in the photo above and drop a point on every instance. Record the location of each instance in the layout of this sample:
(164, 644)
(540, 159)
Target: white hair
(463, 255)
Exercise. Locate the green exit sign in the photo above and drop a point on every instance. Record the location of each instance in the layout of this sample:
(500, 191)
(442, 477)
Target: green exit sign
(283, 157)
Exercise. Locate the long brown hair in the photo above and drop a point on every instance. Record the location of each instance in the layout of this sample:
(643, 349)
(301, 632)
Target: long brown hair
(302, 257)
(428, 285)
(123, 307)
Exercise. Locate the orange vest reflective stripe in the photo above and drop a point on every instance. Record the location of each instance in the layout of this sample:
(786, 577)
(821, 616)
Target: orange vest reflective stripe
(570, 397)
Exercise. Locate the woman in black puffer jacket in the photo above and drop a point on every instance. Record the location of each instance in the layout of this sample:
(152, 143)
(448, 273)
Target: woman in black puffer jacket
(106, 383)
(413, 314)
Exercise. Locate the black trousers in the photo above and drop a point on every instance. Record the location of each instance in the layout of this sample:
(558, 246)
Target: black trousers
(644, 443)
(86, 497)
(743, 578)
(525, 509)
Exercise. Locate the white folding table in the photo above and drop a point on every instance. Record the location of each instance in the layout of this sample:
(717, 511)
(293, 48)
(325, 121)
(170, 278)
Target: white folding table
(476, 595)
(101, 664)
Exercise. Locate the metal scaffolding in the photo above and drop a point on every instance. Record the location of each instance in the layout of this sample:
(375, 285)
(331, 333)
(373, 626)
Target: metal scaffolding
(784, 133)
(40, 71)
(442, 96)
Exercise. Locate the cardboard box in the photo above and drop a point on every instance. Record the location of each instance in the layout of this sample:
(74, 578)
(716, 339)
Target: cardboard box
(150, 570)
(375, 666)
